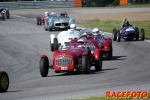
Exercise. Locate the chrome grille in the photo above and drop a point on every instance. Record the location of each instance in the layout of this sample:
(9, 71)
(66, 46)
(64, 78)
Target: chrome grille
(91, 46)
(61, 24)
(63, 61)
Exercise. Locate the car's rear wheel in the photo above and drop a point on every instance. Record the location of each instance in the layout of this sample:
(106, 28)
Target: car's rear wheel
(98, 63)
(51, 46)
(142, 34)
(37, 20)
(44, 66)
(114, 35)
(4, 81)
(56, 45)
(86, 64)
(118, 36)
(137, 31)
(7, 15)
(40, 20)
(108, 55)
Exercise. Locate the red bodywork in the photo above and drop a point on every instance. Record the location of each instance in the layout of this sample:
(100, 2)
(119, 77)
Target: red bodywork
(100, 43)
(43, 20)
(69, 59)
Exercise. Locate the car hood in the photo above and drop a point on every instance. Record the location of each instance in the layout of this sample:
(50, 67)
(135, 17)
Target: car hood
(61, 19)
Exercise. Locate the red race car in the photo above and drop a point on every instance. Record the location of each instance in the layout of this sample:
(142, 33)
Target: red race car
(94, 39)
(41, 20)
(72, 57)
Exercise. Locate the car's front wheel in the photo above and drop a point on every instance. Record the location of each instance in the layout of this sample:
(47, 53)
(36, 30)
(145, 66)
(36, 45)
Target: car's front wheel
(4, 81)
(98, 63)
(114, 34)
(44, 66)
(142, 34)
(86, 64)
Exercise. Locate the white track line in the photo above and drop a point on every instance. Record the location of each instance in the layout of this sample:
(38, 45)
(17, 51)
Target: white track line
(18, 16)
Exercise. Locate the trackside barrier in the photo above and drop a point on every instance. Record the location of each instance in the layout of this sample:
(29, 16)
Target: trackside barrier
(77, 3)
(123, 2)
(38, 4)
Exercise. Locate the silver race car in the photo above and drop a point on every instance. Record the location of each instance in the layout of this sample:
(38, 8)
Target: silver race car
(4, 13)
(58, 20)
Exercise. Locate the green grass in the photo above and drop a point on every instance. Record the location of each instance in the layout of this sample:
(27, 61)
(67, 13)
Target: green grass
(108, 25)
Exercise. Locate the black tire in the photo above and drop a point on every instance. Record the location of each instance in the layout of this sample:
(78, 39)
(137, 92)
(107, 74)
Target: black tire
(49, 29)
(118, 36)
(114, 34)
(3, 17)
(111, 51)
(137, 35)
(37, 20)
(56, 45)
(52, 47)
(40, 20)
(7, 15)
(44, 67)
(86, 64)
(108, 55)
(46, 29)
(142, 34)
(98, 63)
(4, 81)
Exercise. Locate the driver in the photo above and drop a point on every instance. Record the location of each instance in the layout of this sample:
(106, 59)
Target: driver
(96, 31)
(126, 23)
(80, 43)
(46, 14)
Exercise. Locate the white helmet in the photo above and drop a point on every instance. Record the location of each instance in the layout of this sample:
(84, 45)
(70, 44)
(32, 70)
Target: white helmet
(80, 42)
(96, 30)
(46, 14)
(73, 26)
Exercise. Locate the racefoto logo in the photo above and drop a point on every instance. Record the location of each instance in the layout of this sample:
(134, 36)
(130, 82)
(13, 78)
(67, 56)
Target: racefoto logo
(129, 94)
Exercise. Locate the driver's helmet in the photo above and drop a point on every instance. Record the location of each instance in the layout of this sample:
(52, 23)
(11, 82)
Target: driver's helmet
(62, 15)
(84, 34)
(96, 31)
(46, 14)
(73, 26)
(80, 42)
(127, 23)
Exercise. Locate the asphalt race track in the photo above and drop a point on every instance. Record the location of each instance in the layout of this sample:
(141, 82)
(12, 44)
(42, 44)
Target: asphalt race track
(21, 44)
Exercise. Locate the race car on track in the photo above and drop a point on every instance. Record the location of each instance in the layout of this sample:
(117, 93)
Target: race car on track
(4, 13)
(128, 32)
(72, 57)
(58, 20)
(94, 39)
(4, 81)
(41, 20)
(64, 37)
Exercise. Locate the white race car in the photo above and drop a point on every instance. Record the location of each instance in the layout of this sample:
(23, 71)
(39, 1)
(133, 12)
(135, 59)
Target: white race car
(64, 37)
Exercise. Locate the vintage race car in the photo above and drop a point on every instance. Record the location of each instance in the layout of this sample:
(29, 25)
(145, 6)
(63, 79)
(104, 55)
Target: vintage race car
(41, 20)
(4, 13)
(64, 37)
(58, 20)
(72, 58)
(90, 39)
(128, 33)
(97, 41)
(4, 81)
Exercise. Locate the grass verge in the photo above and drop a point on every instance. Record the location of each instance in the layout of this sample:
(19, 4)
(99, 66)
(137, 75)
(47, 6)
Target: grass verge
(108, 25)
